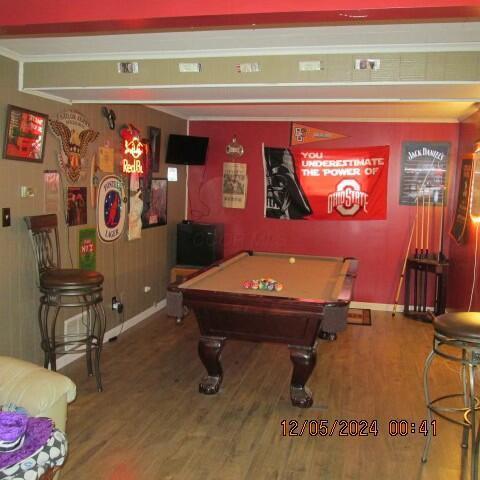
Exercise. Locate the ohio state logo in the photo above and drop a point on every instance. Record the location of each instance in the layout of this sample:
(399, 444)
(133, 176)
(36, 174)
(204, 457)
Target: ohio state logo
(348, 198)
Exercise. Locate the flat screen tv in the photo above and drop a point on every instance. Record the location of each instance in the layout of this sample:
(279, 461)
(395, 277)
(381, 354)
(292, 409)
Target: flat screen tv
(186, 149)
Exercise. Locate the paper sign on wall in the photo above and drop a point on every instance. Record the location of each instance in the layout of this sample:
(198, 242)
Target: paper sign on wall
(106, 159)
(234, 185)
(51, 185)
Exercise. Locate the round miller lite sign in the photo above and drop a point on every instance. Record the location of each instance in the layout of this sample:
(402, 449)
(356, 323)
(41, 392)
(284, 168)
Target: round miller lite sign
(111, 212)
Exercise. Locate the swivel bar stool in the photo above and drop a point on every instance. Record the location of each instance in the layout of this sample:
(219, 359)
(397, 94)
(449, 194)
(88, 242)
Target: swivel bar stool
(66, 288)
(460, 332)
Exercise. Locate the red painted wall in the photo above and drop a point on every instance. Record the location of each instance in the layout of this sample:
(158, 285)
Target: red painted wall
(379, 245)
(462, 256)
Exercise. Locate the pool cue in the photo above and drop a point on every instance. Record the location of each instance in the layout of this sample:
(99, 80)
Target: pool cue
(402, 276)
(423, 222)
(442, 219)
(416, 283)
(429, 208)
(416, 228)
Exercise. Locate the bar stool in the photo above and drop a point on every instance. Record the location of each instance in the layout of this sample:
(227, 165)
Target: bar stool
(66, 288)
(459, 331)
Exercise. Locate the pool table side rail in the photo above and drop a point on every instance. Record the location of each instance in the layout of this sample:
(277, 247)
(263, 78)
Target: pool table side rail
(201, 271)
(346, 291)
(343, 298)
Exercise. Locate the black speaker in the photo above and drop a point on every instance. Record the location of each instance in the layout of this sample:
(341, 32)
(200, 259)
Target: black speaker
(199, 243)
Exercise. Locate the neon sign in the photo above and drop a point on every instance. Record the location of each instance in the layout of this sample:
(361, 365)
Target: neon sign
(133, 150)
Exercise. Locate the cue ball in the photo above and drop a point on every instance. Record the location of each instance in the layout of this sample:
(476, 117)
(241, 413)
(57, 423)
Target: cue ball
(291, 260)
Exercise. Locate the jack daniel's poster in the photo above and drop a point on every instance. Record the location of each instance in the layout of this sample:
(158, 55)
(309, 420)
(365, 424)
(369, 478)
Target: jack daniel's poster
(424, 167)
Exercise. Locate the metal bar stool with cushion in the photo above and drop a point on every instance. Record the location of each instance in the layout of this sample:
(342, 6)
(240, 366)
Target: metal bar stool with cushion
(457, 338)
(64, 288)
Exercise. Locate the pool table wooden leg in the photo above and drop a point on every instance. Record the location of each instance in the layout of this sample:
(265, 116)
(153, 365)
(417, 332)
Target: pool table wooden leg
(303, 359)
(209, 350)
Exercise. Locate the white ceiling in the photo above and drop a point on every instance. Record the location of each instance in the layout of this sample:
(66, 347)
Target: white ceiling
(444, 102)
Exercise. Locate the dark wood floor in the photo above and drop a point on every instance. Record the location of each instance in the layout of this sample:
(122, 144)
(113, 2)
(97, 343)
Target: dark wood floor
(151, 423)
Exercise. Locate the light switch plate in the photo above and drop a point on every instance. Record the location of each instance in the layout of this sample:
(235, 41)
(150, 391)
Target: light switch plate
(27, 192)
(6, 220)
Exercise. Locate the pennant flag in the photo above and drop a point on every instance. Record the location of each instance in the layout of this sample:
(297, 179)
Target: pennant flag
(302, 134)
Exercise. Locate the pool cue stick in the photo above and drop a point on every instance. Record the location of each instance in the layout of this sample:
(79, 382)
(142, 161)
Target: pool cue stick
(416, 283)
(423, 222)
(402, 276)
(442, 219)
(429, 208)
(416, 228)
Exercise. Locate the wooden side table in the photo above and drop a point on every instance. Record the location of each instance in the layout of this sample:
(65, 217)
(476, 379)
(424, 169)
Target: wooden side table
(420, 268)
(178, 272)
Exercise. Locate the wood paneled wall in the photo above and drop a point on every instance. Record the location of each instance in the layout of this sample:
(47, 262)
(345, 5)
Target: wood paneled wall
(127, 266)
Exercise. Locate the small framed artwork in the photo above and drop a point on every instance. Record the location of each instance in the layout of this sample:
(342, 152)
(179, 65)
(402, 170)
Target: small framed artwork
(25, 135)
(155, 204)
(155, 135)
(76, 206)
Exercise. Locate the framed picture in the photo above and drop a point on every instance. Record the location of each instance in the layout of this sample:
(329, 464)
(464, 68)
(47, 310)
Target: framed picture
(424, 172)
(76, 206)
(155, 135)
(25, 135)
(155, 203)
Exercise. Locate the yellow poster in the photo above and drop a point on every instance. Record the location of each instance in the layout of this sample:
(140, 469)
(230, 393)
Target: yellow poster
(106, 159)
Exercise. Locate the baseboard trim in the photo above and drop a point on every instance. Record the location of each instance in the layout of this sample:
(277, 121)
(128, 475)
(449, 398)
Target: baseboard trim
(65, 360)
(384, 307)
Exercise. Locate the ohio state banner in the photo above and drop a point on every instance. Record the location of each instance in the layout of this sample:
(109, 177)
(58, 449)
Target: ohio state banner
(326, 184)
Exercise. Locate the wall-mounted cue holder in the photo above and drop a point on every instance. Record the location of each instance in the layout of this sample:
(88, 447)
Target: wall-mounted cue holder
(428, 260)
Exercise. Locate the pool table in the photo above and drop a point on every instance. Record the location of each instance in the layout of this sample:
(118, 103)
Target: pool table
(315, 296)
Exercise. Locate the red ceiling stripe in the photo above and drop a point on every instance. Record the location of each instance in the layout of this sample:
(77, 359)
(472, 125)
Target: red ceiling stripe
(39, 17)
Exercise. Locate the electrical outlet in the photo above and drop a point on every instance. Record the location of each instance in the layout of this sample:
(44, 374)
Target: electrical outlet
(6, 219)
(117, 305)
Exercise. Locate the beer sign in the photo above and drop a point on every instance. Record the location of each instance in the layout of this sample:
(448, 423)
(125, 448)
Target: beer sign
(112, 208)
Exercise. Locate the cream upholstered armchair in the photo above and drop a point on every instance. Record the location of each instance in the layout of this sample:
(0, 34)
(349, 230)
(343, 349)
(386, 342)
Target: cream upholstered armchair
(41, 392)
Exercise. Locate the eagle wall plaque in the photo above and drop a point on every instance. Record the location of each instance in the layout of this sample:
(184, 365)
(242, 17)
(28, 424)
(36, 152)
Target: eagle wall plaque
(74, 133)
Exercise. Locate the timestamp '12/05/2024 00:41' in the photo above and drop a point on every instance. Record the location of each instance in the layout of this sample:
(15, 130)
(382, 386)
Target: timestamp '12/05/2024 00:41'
(356, 428)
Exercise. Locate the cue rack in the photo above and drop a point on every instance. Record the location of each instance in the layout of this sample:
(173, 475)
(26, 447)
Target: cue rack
(424, 256)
